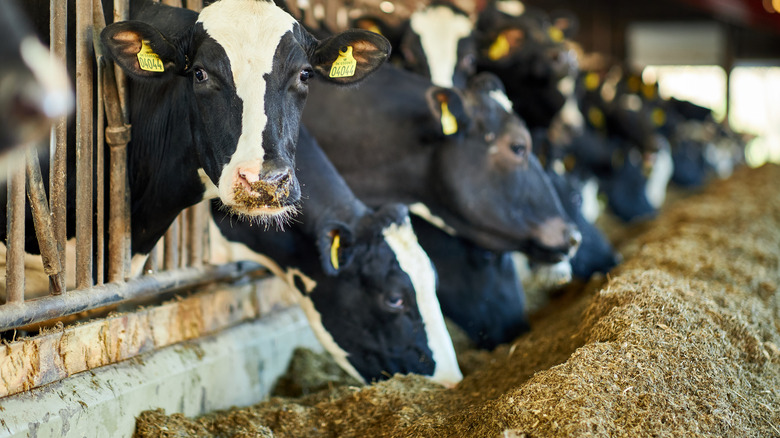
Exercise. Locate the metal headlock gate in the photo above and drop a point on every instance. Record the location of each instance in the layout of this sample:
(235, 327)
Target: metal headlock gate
(180, 258)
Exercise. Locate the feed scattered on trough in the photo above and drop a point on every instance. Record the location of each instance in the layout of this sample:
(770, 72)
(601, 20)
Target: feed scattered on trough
(684, 340)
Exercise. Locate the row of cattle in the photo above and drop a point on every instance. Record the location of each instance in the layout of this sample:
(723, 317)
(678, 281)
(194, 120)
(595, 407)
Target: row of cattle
(408, 197)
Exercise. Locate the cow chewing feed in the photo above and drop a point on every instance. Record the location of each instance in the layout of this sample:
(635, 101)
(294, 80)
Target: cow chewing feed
(34, 88)
(217, 94)
(465, 157)
(370, 294)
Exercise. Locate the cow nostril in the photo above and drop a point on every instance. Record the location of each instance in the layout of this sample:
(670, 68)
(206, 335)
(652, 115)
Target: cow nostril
(575, 238)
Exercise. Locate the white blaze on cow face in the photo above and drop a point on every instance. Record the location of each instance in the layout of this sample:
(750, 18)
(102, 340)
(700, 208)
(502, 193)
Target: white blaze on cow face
(229, 23)
(440, 29)
(419, 268)
(502, 99)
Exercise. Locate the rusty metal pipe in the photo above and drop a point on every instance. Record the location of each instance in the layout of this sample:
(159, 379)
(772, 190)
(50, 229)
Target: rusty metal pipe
(36, 192)
(14, 256)
(41, 309)
(84, 145)
(171, 248)
(58, 30)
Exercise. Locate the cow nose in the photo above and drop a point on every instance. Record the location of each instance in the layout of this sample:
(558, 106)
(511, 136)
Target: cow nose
(575, 238)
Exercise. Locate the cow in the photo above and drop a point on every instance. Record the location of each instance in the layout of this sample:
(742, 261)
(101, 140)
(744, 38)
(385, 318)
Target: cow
(217, 99)
(365, 284)
(438, 43)
(477, 289)
(34, 89)
(465, 162)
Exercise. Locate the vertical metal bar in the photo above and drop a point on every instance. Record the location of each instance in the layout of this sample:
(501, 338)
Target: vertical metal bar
(58, 174)
(205, 222)
(182, 247)
(195, 5)
(121, 13)
(195, 231)
(83, 144)
(43, 224)
(15, 244)
(100, 175)
(170, 251)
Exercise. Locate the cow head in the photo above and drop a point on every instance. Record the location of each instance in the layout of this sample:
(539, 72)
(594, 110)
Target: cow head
(438, 44)
(248, 64)
(487, 177)
(34, 89)
(377, 306)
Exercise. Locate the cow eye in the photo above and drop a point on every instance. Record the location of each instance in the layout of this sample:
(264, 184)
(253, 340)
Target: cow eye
(200, 74)
(305, 75)
(394, 303)
(519, 150)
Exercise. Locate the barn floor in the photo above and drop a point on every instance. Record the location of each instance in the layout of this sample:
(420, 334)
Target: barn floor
(683, 340)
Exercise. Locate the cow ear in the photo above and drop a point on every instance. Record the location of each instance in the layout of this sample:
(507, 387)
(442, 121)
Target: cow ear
(141, 50)
(350, 56)
(447, 107)
(335, 246)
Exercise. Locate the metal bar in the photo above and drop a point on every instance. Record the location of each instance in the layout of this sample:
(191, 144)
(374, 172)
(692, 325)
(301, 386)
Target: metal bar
(14, 257)
(36, 192)
(195, 231)
(152, 265)
(58, 29)
(171, 249)
(122, 13)
(117, 135)
(195, 5)
(41, 309)
(83, 144)
(182, 243)
(100, 212)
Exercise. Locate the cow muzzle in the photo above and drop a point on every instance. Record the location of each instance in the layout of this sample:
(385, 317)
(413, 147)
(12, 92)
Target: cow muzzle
(264, 188)
(555, 240)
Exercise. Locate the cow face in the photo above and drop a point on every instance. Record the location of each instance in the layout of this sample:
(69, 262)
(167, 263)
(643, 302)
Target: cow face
(34, 88)
(378, 306)
(439, 45)
(247, 65)
(487, 176)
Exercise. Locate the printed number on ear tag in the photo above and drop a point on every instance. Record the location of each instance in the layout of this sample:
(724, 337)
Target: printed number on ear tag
(344, 65)
(499, 48)
(334, 251)
(449, 124)
(148, 60)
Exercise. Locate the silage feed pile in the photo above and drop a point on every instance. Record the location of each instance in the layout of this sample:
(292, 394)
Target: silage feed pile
(683, 340)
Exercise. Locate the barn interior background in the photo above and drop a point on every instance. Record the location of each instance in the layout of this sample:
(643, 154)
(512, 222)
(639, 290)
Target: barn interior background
(665, 344)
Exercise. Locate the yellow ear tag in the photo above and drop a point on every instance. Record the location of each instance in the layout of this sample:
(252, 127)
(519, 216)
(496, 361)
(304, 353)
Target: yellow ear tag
(555, 34)
(374, 28)
(634, 83)
(659, 117)
(449, 124)
(148, 60)
(499, 48)
(596, 117)
(344, 66)
(334, 251)
(649, 91)
(592, 81)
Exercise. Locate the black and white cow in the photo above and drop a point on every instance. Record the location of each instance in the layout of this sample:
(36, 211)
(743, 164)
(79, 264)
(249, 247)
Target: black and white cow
(365, 284)
(34, 89)
(217, 97)
(438, 43)
(464, 162)
(477, 289)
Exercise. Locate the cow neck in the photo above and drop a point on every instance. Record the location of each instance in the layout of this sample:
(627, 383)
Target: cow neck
(162, 159)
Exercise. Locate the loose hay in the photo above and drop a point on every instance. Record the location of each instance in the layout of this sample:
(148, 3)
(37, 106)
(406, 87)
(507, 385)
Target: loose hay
(682, 341)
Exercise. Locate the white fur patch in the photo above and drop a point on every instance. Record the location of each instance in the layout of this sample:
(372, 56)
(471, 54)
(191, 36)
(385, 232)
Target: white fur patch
(418, 266)
(511, 7)
(421, 210)
(211, 191)
(591, 207)
(55, 97)
(440, 29)
(655, 190)
(570, 113)
(543, 277)
(502, 99)
(249, 31)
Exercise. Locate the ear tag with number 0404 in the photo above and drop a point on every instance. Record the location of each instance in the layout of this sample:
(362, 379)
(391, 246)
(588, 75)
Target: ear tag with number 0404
(148, 60)
(344, 65)
(449, 125)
